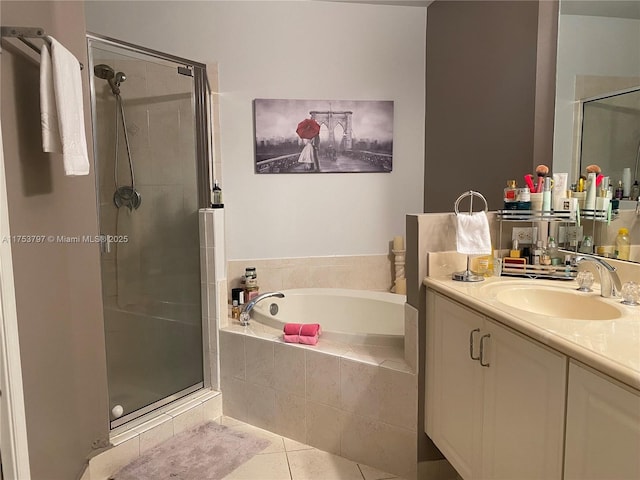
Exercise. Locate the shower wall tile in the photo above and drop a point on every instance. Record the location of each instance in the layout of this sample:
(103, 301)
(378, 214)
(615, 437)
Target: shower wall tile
(163, 138)
(136, 71)
(222, 306)
(161, 79)
(208, 226)
(220, 262)
(202, 228)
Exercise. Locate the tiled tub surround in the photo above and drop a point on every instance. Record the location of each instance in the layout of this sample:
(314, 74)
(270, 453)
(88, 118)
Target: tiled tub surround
(360, 272)
(356, 401)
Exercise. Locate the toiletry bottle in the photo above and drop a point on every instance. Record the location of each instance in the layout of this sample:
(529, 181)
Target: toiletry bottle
(216, 196)
(619, 191)
(497, 264)
(510, 195)
(250, 284)
(537, 252)
(587, 245)
(545, 258)
(515, 249)
(626, 182)
(552, 251)
(622, 244)
(635, 191)
(235, 310)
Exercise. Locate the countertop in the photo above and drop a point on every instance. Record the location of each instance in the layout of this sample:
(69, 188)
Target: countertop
(609, 346)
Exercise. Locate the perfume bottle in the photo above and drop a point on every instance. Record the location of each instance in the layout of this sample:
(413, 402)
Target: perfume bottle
(511, 192)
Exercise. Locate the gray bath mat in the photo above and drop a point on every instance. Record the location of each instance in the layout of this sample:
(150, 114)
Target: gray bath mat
(208, 452)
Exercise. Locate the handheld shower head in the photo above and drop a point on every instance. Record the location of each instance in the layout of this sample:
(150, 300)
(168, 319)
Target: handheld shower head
(107, 73)
(103, 71)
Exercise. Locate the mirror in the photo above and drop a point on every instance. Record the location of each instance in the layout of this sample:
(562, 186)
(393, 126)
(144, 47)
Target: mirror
(598, 54)
(611, 137)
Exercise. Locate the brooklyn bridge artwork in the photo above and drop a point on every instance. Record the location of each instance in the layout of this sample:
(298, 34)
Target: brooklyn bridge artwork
(323, 136)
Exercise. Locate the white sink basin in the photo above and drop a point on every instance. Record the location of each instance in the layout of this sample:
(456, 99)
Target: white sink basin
(559, 302)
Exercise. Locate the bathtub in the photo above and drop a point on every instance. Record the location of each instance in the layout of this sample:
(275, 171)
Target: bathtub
(357, 317)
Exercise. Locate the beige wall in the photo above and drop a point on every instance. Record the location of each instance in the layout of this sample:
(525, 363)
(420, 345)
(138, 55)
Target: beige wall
(57, 285)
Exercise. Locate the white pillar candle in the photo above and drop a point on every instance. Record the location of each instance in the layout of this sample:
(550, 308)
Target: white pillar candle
(398, 243)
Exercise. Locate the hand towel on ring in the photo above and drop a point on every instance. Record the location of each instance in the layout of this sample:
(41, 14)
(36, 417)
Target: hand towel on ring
(472, 233)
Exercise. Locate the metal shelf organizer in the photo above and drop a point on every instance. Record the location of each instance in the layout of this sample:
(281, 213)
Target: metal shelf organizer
(555, 272)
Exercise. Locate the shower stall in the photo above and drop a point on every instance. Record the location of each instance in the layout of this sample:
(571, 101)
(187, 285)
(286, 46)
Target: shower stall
(151, 151)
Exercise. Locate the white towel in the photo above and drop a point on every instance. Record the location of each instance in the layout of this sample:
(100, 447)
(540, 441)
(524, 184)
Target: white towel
(61, 108)
(473, 235)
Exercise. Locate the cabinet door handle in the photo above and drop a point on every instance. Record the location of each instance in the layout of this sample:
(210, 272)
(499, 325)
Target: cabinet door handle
(471, 344)
(482, 349)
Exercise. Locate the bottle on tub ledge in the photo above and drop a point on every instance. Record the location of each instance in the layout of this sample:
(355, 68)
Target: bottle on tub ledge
(251, 289)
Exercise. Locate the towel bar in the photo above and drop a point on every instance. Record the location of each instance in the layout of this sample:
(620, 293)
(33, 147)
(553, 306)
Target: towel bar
(24, 33)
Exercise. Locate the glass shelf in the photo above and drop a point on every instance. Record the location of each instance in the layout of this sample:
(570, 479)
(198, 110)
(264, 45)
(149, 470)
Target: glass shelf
(535, 216)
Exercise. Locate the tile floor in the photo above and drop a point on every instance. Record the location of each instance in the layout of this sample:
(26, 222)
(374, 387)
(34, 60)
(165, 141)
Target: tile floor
(286, 459)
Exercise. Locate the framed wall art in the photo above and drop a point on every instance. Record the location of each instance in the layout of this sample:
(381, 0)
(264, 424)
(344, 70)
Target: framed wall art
(323, 136)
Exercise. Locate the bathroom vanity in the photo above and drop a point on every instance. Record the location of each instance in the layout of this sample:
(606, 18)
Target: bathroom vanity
(532, 379)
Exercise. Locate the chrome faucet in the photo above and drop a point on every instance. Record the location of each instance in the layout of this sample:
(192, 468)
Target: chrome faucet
(610, 284)
(246, 310)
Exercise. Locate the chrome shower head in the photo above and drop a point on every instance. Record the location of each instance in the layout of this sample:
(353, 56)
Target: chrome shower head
(107, 73)
(103, 71)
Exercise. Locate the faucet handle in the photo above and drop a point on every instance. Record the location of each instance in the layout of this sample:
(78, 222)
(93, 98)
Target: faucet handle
(631, 293)
(585, 280)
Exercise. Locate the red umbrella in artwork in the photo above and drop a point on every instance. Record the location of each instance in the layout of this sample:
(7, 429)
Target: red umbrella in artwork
(308, 128)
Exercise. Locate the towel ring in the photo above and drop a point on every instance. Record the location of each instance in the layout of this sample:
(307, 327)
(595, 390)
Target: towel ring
(467, 275)
(470, 194)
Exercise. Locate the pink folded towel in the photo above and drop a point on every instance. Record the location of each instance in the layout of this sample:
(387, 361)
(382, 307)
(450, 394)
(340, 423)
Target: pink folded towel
(306, 333)
(304, 339)
(307, 329)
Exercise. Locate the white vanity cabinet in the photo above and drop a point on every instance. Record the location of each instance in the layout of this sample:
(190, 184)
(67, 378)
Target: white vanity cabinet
(603, 427)
(495, 400)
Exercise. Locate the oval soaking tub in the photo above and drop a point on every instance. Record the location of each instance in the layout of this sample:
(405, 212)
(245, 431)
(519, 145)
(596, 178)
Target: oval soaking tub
(347, 316)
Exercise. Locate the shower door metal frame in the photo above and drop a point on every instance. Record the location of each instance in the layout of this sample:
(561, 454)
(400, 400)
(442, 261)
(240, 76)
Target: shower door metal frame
(201, 101)
(204, 149)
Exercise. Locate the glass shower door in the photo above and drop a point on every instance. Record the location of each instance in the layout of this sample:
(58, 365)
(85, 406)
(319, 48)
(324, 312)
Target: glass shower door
(147, 174)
